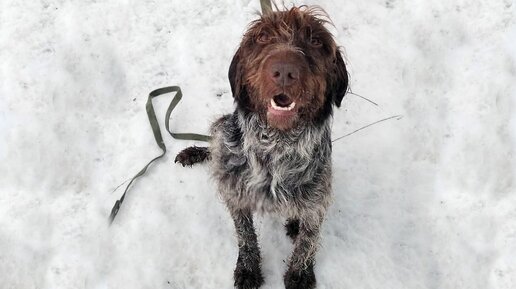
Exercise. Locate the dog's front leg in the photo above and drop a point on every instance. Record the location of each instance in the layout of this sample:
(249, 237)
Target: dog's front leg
(300, 273)
(248, 273)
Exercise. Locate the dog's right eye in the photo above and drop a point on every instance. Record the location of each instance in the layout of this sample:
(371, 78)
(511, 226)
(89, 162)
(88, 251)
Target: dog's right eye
(316, 42)
(263, 38)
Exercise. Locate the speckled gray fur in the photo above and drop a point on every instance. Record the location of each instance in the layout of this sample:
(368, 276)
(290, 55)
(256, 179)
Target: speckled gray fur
(262, 169)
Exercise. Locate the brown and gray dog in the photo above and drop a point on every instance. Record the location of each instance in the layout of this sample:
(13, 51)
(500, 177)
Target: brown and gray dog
(273, 153)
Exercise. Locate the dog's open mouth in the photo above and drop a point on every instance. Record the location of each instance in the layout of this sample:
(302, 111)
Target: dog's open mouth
(282, 104)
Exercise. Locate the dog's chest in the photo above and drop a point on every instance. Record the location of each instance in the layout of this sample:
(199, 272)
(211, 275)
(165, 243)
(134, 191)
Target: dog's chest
(259, 167)
(278, 165)
(276, 168)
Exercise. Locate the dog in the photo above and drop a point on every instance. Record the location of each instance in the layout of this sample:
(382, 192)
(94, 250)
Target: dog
(273, 153)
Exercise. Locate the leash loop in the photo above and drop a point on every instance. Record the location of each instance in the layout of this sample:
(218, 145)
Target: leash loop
(158, 137)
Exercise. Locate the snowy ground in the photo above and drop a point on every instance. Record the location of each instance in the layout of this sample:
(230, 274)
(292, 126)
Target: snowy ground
(428, 201)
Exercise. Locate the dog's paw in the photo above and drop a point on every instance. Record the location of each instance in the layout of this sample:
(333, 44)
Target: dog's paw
(192, 155)
(247, 279)
(292, 227)
(304, 279)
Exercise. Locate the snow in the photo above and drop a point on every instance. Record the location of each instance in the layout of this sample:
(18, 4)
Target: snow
(427, 201)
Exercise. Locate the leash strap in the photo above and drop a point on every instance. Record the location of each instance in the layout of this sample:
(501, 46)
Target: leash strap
(266, 6)
(158, 137)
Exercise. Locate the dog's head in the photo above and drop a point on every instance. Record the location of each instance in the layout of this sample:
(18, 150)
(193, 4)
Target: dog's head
(288, 68)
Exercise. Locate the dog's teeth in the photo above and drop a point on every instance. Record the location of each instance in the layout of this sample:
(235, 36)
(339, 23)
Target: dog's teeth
(277, 107)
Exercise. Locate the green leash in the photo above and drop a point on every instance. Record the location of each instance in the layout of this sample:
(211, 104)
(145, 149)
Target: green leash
(266, 8)
(158, 137)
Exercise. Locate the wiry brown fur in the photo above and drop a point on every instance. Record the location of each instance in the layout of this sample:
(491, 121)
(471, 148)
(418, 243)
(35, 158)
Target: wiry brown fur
(279, 162)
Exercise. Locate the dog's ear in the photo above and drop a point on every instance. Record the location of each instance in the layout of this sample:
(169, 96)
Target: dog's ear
(338, 84)
(235, 75)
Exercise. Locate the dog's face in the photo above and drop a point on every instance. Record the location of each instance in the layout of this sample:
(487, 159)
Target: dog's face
(288, 69)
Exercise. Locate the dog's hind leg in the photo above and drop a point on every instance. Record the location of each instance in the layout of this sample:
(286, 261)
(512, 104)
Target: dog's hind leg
(192, 155)
(248, 273)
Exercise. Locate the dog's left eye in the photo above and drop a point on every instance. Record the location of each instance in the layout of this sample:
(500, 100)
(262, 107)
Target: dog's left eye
(263, 38)
(316, 42)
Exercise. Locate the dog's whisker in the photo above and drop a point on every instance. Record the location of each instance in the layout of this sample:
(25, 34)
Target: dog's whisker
(364, 98)
(397, 117)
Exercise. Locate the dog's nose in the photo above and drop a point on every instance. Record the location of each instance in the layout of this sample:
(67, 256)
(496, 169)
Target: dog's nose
(284, 73)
